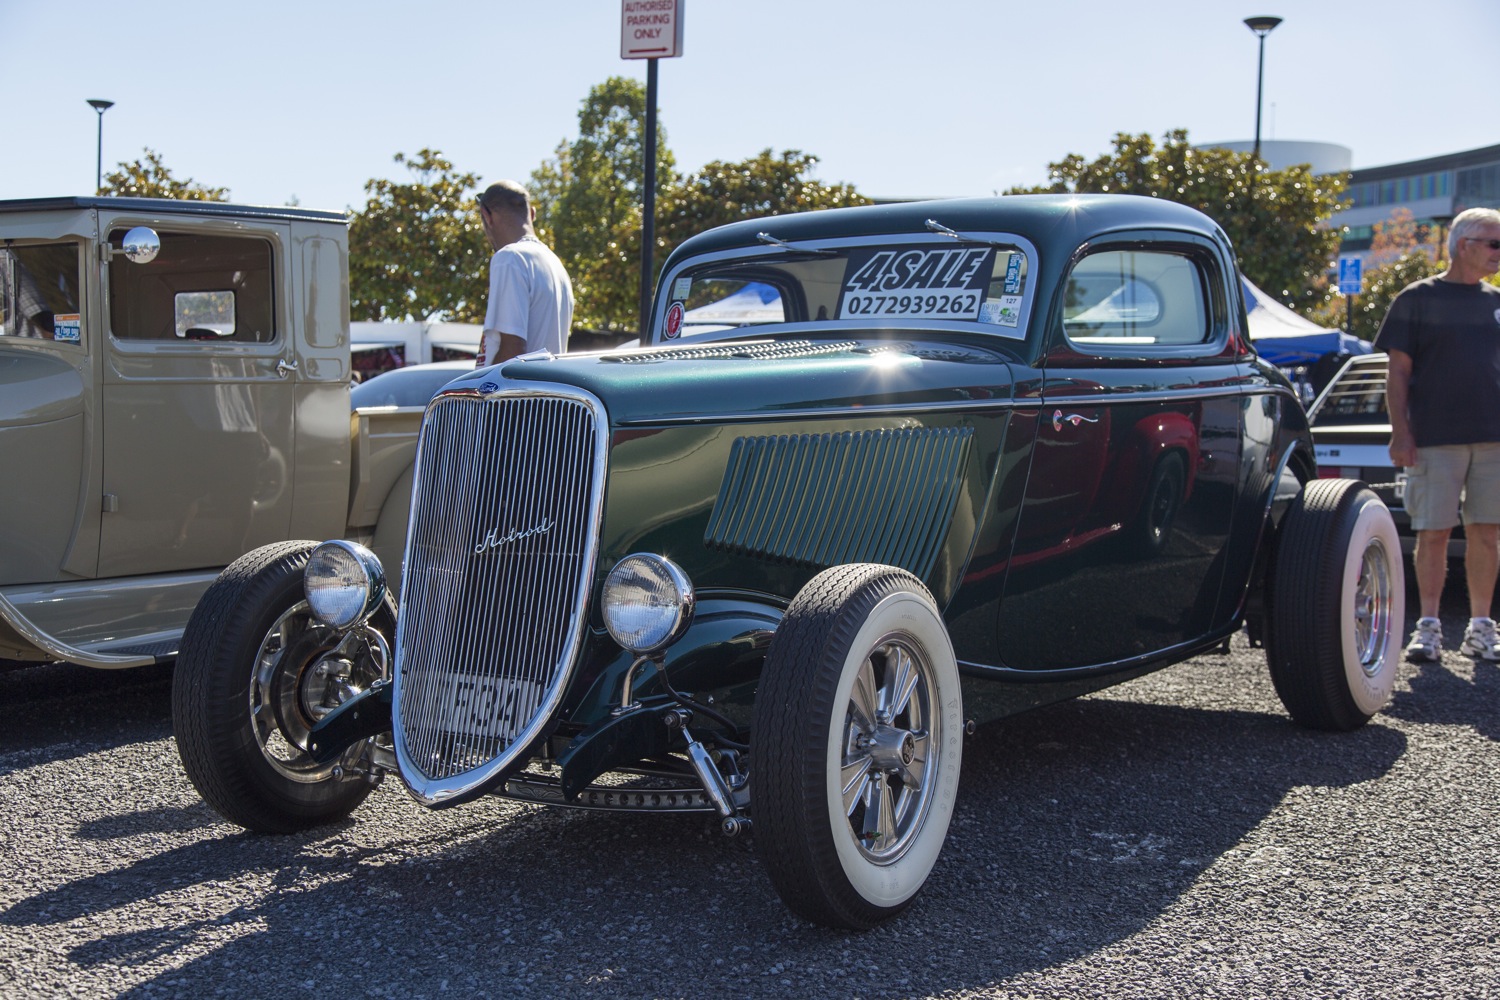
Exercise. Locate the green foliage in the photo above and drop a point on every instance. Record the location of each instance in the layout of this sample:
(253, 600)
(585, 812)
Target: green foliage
(1274, 218)
(589, 198)
(417, 250)
(150, 178)
(764, 184)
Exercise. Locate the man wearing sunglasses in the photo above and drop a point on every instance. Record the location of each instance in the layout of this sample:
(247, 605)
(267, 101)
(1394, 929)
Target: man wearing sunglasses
(1443, 393)
(531, 297)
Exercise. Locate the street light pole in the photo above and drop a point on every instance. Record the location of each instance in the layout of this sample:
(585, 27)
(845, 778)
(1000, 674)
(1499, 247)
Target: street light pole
(1262, 27)
(100, 106)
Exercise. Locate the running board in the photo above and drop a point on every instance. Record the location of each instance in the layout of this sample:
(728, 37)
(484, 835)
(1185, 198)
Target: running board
(109, 624)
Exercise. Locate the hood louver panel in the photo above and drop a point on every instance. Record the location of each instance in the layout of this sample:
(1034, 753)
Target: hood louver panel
(751, 352)
(823, 500)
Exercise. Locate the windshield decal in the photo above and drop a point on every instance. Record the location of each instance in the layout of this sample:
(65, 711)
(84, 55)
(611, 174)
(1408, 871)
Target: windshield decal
(915, 284)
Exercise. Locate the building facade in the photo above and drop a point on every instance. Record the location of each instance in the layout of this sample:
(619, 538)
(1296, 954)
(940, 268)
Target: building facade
(1434, 190)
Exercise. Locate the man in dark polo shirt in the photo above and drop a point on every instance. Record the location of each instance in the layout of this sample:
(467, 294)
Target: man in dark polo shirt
(1443, 393)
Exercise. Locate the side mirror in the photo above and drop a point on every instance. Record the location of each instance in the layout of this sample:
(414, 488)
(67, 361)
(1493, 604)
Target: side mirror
(141, 245)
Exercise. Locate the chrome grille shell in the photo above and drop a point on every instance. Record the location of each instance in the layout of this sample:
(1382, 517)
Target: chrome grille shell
(501, 550)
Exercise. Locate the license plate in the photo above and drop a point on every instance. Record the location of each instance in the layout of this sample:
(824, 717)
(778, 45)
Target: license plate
(487, 707)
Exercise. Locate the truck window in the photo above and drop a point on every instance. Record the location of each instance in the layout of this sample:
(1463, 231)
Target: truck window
(201, 287)
(39, 292)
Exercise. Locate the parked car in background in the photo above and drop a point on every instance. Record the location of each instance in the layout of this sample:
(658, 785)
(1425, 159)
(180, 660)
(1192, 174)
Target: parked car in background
(1352, 436)
(411, 386)
(379, 347)
(988, 455)
(174, 390)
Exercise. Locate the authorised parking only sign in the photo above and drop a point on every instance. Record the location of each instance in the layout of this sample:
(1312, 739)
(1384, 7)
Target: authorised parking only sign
(650, 29)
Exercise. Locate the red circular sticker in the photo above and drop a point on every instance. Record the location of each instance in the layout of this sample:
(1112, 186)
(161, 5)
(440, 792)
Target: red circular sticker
(674, 320)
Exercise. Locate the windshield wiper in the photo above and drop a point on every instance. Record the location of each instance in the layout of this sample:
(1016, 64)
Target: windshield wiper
(767, 238)
(935, 226)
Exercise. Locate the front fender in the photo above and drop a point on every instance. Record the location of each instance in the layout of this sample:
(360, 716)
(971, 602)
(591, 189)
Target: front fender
(717, 659)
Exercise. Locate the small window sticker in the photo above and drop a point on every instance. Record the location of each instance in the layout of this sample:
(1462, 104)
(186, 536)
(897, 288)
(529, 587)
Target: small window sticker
(680, 288)
(1004, 311)
(945, 283)
(1013, 276)
(67, 328)
(674, 321)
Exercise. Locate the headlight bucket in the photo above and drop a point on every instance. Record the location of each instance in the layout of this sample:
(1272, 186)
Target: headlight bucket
(344, 583)
(647, 602)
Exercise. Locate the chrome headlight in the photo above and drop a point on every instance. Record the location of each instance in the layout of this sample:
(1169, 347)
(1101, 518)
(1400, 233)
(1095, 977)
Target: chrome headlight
(344, 583)
(648, 602)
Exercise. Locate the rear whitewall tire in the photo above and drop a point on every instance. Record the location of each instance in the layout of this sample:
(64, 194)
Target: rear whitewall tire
(1337, 606)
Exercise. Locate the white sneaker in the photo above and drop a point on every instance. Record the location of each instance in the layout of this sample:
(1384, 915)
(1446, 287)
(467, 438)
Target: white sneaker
(1480, 640)
(1427, 641)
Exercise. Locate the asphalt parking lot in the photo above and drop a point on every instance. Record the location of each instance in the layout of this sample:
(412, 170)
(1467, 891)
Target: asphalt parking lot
(1173, 836)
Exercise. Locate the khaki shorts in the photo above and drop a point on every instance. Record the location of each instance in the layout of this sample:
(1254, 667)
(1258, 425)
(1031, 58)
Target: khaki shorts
(1449, 476)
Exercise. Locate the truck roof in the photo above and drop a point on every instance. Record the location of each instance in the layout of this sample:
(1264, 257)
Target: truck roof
(175, 206)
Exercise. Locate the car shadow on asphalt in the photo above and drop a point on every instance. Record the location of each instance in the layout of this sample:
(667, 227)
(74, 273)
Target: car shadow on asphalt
(1076, 826)
(58, 711)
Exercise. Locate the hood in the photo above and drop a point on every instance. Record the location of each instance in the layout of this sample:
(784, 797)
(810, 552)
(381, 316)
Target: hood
(765, 378)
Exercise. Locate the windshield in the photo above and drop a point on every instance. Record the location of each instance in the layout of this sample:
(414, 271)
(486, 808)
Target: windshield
(880, 285)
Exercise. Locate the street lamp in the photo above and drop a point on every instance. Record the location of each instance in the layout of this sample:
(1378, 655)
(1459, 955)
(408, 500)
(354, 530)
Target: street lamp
(100, 106)
(1262, 27)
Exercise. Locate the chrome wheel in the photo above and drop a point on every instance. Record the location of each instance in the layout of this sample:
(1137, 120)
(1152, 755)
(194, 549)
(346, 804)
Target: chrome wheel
(885, 775)
(303, 671)
(1373, 603)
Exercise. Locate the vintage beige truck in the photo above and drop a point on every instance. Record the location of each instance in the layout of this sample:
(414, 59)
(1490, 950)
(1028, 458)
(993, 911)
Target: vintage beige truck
(174, 392)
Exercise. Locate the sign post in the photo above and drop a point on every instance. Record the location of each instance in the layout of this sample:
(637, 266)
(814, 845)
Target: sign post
(650, 30)
(1351, 283)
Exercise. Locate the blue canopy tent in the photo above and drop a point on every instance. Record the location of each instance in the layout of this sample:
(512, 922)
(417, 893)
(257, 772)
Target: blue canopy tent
(1286, 339)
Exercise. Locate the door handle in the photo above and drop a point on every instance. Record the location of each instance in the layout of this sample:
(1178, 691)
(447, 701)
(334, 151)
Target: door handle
(285, 367)
(1059, 418)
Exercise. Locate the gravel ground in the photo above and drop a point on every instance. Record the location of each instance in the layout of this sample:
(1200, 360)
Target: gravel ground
(1173, 836)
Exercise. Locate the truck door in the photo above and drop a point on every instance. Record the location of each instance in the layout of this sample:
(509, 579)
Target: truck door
(198, 406)
(46, 408)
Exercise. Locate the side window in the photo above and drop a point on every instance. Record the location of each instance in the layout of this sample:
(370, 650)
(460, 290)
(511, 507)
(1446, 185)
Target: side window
(40, 292)
(202, 287)
(1136, 298)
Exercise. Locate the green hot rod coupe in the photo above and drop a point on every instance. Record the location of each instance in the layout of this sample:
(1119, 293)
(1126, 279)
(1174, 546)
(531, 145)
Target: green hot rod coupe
(873, 476)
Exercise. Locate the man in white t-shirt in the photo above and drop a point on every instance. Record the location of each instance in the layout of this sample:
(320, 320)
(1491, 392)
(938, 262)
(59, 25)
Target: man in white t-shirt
(531, 297)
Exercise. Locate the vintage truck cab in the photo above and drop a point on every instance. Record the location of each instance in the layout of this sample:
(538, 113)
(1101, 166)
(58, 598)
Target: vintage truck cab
(174, 391)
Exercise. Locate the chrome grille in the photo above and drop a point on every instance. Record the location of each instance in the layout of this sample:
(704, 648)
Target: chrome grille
(499, 557)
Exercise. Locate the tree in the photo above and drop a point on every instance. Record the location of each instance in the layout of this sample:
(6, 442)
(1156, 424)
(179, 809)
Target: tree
(1276, 219)
(764, 184)
(589, 199)
(151, 179)
(417, 250)
(1398, 236)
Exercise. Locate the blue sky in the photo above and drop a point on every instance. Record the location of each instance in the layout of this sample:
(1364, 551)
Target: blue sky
(278, 100)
